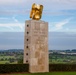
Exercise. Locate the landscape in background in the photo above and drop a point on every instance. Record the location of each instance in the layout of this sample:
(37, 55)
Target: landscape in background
(62, 47)
(15, 56)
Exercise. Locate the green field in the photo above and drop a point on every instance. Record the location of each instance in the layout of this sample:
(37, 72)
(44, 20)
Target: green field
(5, 59)
(51, 73)
(60, 58)
(3, 62)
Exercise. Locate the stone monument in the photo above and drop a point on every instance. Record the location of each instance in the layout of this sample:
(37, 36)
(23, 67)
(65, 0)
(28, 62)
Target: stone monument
(36, 42)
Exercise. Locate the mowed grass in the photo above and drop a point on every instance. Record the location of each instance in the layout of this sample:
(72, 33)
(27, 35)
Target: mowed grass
(50, 73)
(3, 62)
(6, 57)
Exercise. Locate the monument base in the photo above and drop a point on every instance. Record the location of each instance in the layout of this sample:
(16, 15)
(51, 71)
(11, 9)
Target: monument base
(36, 46)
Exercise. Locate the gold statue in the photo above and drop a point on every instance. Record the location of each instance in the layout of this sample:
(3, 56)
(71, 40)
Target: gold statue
(36, 11)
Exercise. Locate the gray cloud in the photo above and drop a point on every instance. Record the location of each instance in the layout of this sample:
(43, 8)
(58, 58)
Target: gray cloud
(62, 40)
(22, 6)
(9, 40)
(54, 4)
(57, 40)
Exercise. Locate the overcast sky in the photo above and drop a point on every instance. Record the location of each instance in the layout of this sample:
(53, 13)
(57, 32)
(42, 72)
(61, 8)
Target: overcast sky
(57, 40)
(60, 14)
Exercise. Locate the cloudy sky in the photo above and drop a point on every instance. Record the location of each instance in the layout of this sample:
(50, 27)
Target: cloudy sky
(57, 40)
(60, 14)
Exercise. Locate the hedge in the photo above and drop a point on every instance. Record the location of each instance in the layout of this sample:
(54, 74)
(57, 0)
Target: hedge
(62, 67)
(9, 68)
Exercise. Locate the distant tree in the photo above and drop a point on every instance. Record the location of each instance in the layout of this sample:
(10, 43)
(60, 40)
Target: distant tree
(11, 60)
(7, 63)
(6, 59)
(2, 59)
(20, 61)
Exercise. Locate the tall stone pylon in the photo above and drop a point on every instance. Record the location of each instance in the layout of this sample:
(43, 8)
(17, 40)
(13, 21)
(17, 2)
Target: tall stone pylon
(36, 46)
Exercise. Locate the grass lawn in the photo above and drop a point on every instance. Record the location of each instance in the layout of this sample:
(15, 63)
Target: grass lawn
(3, 62)
(6, 57)
(51, 73)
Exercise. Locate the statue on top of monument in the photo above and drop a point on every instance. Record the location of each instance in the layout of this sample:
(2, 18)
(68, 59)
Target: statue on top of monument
(36, 11)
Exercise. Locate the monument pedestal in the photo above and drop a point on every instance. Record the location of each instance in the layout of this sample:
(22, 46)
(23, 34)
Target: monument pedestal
(36, 46)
